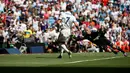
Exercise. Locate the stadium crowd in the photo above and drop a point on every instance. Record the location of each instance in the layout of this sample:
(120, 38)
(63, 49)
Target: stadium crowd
(35, 20)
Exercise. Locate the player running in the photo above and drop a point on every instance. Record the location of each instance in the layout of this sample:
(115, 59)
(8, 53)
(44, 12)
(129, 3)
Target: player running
(66, 21)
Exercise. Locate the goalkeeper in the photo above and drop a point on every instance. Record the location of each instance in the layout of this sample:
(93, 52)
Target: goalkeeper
(98, 37)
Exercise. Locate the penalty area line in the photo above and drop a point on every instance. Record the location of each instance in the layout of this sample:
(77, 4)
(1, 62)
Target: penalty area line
(92, 60)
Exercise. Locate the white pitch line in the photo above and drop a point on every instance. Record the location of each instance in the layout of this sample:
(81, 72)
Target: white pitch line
(92, 60)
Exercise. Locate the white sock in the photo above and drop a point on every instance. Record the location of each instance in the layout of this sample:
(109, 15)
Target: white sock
(65, 48)
(62, 51)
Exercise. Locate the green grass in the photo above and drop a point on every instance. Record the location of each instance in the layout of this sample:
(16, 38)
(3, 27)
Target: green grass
(50, 60)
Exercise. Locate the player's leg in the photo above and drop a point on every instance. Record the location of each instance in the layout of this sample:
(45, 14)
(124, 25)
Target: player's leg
(109, 43)
(118, 48)
(62, 40)
(111, 48)
(64, 48)
(61, 53)
(103, 42)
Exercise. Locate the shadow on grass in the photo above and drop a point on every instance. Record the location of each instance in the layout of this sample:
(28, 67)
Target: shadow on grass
(63, 70)
(48, 57)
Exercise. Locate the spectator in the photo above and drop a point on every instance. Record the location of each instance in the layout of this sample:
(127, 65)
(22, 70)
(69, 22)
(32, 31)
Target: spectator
(38, 16)
(28, 35)
(1, 39)
(128, 34)
(125, 45)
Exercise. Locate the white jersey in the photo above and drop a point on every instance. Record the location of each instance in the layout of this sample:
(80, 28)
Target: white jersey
(67, 20)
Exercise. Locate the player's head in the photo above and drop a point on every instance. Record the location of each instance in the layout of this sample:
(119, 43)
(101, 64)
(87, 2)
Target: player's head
(68, 7)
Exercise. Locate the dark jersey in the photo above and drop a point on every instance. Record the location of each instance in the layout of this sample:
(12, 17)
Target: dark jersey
(97, 37)
(100, 34)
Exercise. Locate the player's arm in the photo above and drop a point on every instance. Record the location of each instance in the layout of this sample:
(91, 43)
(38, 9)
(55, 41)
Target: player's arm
(60, 18)
(76, 24)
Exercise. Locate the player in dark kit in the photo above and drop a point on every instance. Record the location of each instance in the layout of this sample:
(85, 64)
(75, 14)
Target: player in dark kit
(98, 37)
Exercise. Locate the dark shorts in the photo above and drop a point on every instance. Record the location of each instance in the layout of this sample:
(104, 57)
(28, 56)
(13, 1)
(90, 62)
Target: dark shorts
(103, 42)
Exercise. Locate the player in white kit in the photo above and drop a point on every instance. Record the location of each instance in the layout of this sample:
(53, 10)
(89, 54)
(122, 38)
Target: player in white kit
(66, 21)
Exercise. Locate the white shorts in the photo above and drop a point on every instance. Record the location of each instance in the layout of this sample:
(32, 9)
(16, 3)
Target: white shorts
(64, 35)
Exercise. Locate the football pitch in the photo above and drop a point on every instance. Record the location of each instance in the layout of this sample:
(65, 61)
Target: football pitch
(77, 60)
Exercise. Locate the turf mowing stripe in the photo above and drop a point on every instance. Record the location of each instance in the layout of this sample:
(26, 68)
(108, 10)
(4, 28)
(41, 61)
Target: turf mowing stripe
(92, 60)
